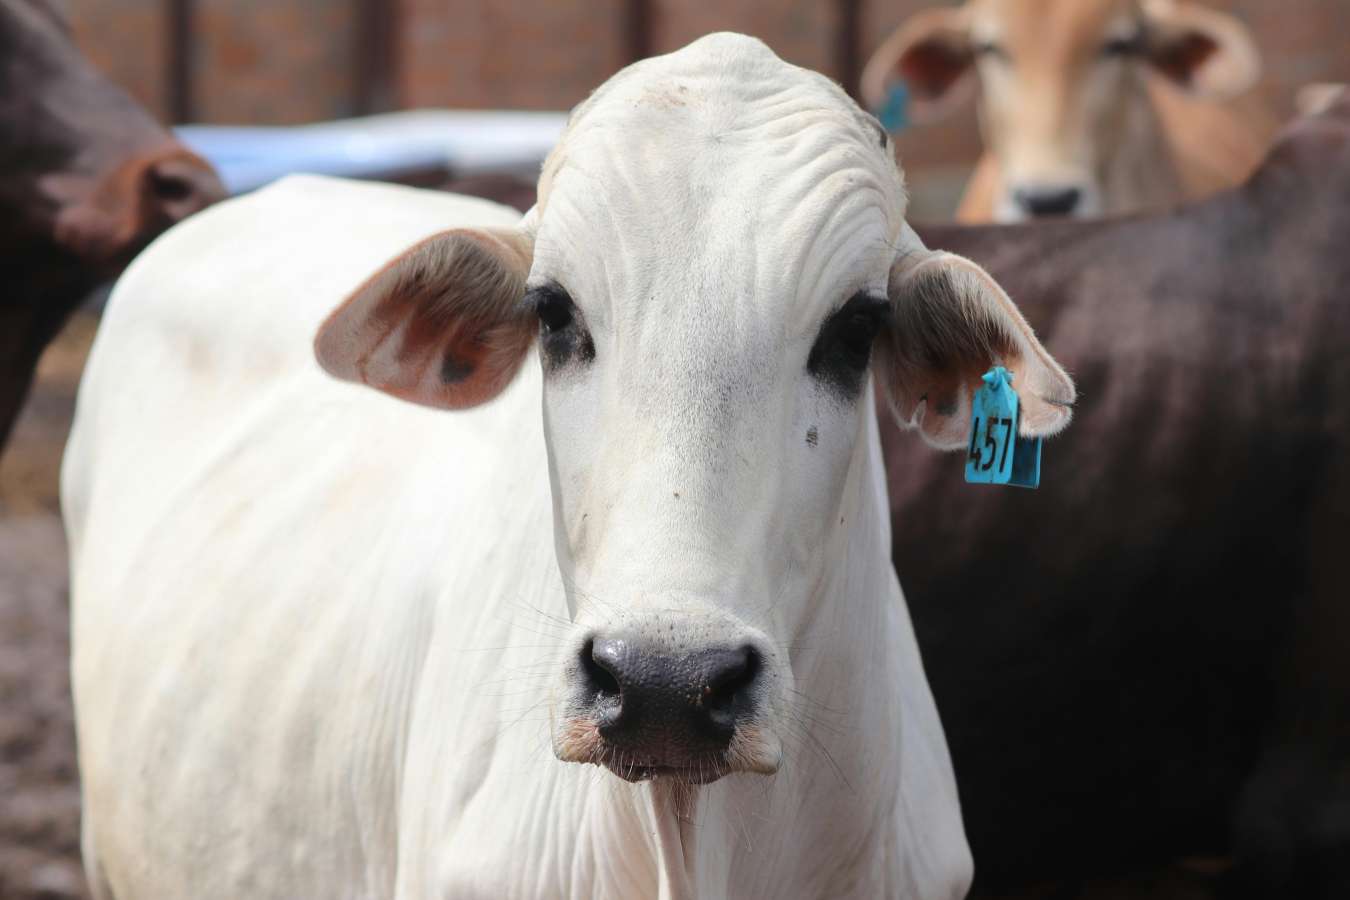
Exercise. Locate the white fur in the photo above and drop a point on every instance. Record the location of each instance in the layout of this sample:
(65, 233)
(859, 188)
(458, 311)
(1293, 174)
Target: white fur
(320, 635)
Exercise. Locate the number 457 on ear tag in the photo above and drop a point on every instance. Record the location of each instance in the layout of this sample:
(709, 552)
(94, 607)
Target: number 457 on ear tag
(996, 454)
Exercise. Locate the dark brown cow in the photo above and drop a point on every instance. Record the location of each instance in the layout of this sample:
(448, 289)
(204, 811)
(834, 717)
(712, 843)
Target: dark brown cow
(1158, 666)
(87, 178)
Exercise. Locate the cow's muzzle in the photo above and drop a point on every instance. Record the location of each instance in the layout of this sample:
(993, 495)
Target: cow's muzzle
(643, 713)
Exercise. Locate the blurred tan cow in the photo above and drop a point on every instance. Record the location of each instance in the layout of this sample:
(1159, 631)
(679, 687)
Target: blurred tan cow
(1088, 107)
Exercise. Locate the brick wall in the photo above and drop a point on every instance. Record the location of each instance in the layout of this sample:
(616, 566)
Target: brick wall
(127, 39)
(273, 60)
(524, 54)
(801, 31)
(287, 61)
(1301, 41)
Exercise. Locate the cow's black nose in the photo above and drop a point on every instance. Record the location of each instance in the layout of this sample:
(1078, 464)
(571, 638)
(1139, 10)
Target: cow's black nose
(1048, 201)
(667, 709)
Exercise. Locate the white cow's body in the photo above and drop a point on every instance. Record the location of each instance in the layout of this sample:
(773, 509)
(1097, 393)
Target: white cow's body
(328, 644)
(313, 626)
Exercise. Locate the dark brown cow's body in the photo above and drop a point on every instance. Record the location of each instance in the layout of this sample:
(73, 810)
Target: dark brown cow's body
(1149, 657)
(87, 178)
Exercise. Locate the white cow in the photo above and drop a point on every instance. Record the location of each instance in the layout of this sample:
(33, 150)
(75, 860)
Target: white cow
(329, 644)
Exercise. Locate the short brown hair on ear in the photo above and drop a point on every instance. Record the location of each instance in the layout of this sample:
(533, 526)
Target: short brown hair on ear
(931, 54)
(440, 325)
(951, 324)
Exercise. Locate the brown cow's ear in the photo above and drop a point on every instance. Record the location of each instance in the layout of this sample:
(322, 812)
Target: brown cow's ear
(951, 324)
(1202, 50)
(931, 53)
(441, 325)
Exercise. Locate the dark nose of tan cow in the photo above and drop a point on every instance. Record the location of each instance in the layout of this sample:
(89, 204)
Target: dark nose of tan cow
(1048, 201)
(667, 710)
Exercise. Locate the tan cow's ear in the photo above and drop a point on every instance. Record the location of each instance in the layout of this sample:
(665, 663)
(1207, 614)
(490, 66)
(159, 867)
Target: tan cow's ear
(1202, 50)
(951, 324)
(931, 53)
(441, 324)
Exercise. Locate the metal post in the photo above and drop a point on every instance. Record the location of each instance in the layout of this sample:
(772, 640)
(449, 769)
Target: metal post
(375, 51)
(179, 55)
(847, 50)
(637, 28)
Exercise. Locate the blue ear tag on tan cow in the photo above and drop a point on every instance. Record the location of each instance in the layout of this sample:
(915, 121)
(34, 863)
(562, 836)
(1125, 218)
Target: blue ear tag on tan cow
(894, 113)
(996, 454)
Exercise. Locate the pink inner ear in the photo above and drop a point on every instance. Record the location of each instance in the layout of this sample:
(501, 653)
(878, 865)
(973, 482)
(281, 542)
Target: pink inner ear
(952, 324)
(930, 68)
(1181, 59)
(440, 325)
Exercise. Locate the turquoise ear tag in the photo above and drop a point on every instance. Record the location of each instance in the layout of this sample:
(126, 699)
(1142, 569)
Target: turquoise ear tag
(997, 455)
(894, 113)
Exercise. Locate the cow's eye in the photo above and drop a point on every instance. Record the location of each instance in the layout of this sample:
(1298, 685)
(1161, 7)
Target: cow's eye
(990, 50)
(843, 348)
(856, 334)
(1124, 45)
(554, 309)
(562, 335)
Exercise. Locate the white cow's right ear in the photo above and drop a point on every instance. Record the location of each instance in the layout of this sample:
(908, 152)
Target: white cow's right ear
(931, 53)
(951, 324)
(441, 324)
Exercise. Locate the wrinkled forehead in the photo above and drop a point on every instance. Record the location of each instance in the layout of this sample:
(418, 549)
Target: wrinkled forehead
(716, 154)
(1054, 28)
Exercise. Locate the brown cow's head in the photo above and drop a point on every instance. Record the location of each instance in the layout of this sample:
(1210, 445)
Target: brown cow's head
(1064, 86)
(82, 167)
(87, 178)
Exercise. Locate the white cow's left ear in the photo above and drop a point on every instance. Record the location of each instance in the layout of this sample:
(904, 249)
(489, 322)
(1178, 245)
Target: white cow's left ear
(441, 324)
(951, 324)
(1202, 50)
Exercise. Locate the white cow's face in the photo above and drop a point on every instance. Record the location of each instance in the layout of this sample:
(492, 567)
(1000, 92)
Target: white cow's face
(718, 266)
(709, 296)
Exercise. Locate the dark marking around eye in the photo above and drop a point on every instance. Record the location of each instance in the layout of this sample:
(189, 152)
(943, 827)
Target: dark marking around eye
(454, 370)
(947, 407)
(563, 338)
(561, 348)
(842, 350)
(812, 436)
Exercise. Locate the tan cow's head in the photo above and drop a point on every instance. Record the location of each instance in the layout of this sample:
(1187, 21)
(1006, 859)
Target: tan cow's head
(1064, 87)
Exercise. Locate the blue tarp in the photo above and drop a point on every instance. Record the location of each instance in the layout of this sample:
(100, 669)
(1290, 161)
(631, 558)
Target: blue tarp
(384, 146)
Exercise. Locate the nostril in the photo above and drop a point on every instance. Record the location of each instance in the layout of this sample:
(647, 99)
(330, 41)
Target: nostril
(728, 682)
(180, 186)
(597, 667)
(170, 187)
(1048, 201)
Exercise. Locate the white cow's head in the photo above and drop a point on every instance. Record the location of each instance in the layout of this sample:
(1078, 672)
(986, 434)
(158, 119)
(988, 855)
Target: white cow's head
(717, 264)
(1062, 85)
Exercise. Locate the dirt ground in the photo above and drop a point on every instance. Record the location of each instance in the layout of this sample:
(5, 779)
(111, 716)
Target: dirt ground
(39, 796)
